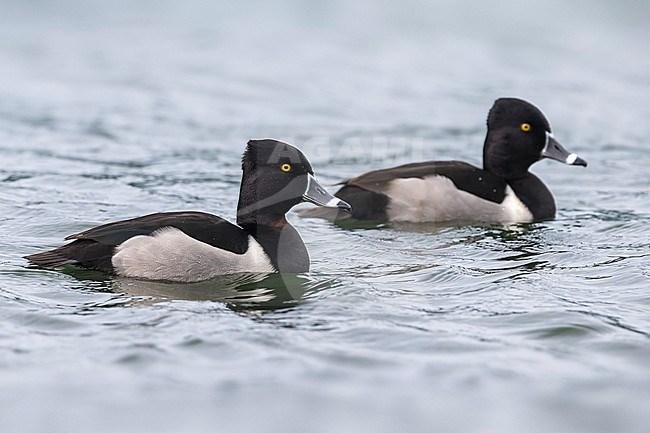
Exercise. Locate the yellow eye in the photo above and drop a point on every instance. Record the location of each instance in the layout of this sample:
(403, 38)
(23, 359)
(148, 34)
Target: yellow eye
(286, 168)
(525, 127)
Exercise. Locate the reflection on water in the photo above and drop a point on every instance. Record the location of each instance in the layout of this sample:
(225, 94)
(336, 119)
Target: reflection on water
(504, 230)
(239, 292)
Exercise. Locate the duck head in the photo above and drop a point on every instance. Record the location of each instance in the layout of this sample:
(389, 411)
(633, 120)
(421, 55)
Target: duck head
(276, 177)
(518, 136)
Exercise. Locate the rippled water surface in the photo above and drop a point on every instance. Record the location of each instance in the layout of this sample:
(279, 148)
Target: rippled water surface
(110, 110)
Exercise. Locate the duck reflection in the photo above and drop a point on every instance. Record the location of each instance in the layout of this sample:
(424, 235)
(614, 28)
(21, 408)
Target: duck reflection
(505, 230)
(239, 292)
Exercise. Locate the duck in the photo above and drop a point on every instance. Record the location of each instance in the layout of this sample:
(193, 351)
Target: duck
(195, 246)
(503, 191)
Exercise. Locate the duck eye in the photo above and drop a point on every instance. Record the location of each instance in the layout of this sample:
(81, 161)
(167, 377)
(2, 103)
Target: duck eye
(286, 168)
(525, 127)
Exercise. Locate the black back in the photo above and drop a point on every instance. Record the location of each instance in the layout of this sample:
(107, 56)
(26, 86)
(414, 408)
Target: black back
(366, 192)
(464, 176)
(204, 227)
(94, 248)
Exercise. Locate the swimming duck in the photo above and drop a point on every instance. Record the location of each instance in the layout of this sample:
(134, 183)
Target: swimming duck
(503, 190)
(196, 246)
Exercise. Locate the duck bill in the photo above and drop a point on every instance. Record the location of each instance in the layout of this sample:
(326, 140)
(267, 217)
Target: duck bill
(316, 194)
(554, 150)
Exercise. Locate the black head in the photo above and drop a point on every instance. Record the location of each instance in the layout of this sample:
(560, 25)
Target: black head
(276, 177)
(518, 136)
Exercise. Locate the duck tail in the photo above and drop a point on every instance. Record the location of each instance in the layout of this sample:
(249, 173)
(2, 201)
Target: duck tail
(51, 259)
(82, 252)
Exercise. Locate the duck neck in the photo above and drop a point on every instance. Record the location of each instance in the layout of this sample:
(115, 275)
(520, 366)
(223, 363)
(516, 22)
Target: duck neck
(255, 208)
(282, 243)
(498, 159)
(257, 217)
(269, 226)
(535, 195)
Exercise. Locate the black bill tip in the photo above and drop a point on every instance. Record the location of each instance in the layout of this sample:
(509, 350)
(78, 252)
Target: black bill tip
(344, 205)
(574, 159)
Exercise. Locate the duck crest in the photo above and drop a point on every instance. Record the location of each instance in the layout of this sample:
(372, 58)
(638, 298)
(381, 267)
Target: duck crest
(267, 151)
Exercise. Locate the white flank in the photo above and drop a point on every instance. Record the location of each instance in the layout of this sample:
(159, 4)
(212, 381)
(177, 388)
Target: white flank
(436, 198)
(171, 255)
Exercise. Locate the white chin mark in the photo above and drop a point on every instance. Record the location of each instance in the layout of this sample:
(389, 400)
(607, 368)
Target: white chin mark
(333, 203)
(571, 159)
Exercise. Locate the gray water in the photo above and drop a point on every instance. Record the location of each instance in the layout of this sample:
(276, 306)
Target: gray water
(110, 110)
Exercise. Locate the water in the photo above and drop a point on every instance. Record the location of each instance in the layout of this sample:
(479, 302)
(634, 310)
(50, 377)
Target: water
(110, 111)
